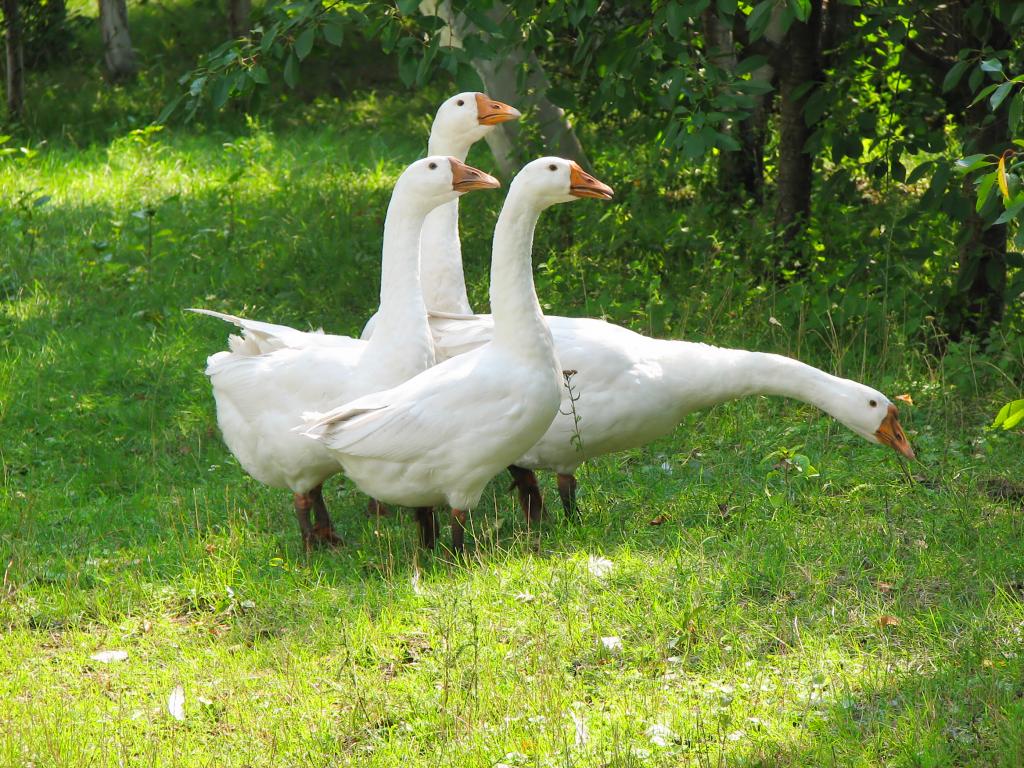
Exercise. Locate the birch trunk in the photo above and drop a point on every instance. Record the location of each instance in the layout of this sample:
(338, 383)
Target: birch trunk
(500, 77)
(117, 42)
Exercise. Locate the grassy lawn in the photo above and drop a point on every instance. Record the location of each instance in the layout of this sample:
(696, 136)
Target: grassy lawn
(863, 617)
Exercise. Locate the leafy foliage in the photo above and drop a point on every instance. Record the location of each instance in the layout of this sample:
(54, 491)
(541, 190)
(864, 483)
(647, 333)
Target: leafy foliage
(1010, 415)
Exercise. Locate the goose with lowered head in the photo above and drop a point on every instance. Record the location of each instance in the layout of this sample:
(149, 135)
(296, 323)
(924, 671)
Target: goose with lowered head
(441, 436)
(266, 380)
(633, 389)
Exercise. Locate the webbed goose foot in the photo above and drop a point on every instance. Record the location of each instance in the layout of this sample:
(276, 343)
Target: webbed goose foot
(320, 531)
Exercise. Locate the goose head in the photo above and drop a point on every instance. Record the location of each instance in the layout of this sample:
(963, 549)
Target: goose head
(466, 118)
(870, 414)
(552, 180)
(439, 179)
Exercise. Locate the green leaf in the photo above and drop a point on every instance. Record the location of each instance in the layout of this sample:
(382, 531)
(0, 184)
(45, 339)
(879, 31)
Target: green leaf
(992, 65)
(920, 171)
(1010, 213)
(750, 64)
(169, 109)
(815, 106)
(988, 182)
(268, 37)
(259, 75)
(676, 18)
(334, 34)
(1009, 415)
(291, 71)
(974, 79)
(304, 43)
(481, 20)
(999, 95)
(1016, 109)
(221, 90)
(984, 92)
(408, 7)
(758, 19)
(972, 163)
(956, 72)
(197, 86)
(801, 9)
(693, 146)
(407, 69)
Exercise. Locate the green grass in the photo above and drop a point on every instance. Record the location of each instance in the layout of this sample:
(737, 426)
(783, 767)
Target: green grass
(750, 620)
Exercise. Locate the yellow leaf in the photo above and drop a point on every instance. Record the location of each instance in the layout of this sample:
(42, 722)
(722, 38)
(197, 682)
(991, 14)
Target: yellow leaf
(1004, 186)
(905, 398)
(888, 621)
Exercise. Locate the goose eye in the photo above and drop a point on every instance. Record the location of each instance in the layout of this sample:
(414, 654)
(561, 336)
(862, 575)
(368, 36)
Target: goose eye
(432, 166)
(552, 167)
(460, 102)
(873, 403)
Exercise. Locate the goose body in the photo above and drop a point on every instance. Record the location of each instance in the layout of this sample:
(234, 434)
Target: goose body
(273, 373)
(442, 435)
(633, 389)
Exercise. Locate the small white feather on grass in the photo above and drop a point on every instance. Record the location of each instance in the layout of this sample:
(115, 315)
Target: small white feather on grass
(108, 657)
(176, 703)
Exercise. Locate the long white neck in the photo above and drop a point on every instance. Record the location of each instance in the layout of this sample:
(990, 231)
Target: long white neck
(402, 331)
(444, 284)
(518, 321)
(700, 376)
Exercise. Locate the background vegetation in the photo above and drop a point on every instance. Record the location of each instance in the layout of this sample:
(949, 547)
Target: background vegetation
(868, 615)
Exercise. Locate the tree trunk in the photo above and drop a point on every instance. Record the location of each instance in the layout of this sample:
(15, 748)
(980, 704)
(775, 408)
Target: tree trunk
(977, 304)
(799, 65)
(734, 173)
(742, 169)
(117, 42)
(15, 60)
(239, 13)
(500, 78)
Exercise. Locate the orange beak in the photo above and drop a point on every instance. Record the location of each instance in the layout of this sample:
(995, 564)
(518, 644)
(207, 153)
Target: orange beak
(582, 184)
(491, 112)
(891, 433)
(466, 178)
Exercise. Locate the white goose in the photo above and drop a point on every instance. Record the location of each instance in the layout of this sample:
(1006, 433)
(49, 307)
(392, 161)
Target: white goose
(633, 389)
(441, 436)
(274, 373)
(460, 122)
